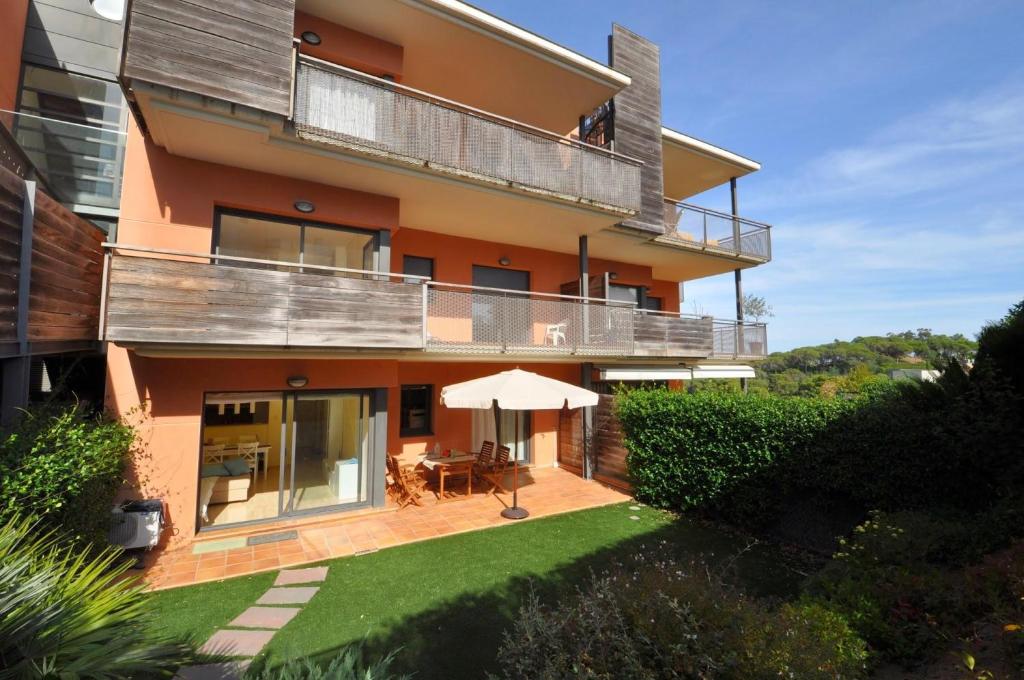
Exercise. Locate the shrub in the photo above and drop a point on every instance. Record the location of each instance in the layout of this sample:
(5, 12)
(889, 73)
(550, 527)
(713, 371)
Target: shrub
(658, 619)
(64, 467)
(898, 583)
(64, 614)
(348, 664)
(692, 450)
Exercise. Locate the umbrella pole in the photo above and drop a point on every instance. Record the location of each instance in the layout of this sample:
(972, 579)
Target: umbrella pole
(515, 512)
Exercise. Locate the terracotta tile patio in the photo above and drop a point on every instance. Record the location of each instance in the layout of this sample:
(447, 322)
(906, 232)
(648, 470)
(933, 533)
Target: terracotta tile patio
(543, 492)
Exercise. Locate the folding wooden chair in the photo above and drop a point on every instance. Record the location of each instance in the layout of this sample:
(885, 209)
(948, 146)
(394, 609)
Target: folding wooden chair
(484, 460)
(495, 474)
(406, 485)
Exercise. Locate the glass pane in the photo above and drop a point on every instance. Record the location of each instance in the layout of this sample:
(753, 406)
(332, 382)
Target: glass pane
(418, 266)
(623, 293)
(331, 444)
(71, 127)
(518, 441)
(258, 238)
(240, 457)
(338, 248)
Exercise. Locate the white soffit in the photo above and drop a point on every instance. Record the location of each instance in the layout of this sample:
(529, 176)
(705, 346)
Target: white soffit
(701, 372)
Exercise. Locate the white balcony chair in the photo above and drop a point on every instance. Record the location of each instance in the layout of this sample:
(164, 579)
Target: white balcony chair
(213, 453)
(555, 333)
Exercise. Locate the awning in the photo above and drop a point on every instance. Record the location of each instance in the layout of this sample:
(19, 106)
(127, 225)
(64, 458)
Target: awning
(641, 373)
(701, 372)
(636, 373)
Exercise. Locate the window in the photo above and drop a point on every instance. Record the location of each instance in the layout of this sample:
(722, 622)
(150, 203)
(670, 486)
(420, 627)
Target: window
(416, 414)
(621, 293)
(236, 413)
(418, 266)
(264, 237)
(652, 303)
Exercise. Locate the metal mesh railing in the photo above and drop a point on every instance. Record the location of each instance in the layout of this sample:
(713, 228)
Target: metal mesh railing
(717, 231)
(488, 321)
(739, 339)
(340, 106)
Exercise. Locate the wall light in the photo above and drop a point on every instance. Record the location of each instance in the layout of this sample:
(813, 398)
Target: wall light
(304, 206)
(613, 275)
(311, 37)
(297, 381)
(504, 261)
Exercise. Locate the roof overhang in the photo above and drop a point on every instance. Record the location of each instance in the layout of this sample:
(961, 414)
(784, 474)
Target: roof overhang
(457, 51)
(693, 165)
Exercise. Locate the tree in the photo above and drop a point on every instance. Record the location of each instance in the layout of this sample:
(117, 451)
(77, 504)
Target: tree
(1000, 345)
(757, 308)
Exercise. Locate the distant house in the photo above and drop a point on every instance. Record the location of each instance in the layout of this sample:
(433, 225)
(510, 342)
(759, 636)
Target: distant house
(922, 374)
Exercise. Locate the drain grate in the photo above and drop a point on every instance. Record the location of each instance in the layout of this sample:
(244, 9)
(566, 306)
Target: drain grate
(272, 538)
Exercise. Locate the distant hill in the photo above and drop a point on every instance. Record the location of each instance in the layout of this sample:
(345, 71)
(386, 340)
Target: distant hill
(805, 370)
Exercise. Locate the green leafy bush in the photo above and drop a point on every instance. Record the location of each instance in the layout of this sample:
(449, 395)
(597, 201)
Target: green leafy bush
(658, 619)
(64, 614)
(348, 664)
(692, 450)
(64, 466)
(953, 446)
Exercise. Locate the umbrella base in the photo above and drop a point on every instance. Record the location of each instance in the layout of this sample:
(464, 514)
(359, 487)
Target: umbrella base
(515, 513)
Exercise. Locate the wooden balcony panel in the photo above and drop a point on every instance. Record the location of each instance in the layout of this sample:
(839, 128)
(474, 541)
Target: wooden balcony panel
(190, 302)
(662, 335)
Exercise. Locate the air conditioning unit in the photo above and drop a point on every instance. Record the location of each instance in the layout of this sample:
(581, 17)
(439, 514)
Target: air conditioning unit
(137, 524)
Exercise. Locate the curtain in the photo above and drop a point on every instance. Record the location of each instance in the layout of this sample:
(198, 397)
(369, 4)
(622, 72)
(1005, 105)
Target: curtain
(484, 428)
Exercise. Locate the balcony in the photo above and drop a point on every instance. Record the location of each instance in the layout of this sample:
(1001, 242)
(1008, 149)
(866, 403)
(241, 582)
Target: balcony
(168, 298)
(475, 320)
(181, 298)
(342, 107)
(717, 233)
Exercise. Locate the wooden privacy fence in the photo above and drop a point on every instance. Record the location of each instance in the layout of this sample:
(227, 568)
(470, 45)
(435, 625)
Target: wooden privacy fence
(609, 451)
(52, 266)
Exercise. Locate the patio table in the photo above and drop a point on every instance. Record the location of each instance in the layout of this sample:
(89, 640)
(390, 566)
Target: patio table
(458, 463)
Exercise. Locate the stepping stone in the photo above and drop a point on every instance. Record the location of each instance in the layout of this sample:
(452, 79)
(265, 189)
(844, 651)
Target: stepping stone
(265, 617)
(230, 670)
(291, 577)
(237, 642)
(296, 595)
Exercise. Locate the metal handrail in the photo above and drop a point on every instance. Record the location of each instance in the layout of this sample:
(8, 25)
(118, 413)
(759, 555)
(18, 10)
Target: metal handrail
(462, 108)
(716, 213)
(531, 293)
(252, 260)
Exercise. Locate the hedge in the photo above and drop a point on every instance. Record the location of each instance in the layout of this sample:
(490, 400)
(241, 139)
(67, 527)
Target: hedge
(900, 446)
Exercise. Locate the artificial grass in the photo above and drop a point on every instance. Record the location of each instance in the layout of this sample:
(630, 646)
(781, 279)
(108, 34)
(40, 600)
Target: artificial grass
(446, 602)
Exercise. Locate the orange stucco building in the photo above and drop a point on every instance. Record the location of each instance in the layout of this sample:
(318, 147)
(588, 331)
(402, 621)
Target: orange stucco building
(332, 210)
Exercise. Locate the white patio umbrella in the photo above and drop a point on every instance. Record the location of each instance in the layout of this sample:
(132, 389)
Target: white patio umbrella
(517, 391)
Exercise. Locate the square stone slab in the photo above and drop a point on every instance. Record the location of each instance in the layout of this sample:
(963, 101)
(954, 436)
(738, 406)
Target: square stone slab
(265, 617)
(230, 670)
(237, 642)
(291, 577)
(297, 595)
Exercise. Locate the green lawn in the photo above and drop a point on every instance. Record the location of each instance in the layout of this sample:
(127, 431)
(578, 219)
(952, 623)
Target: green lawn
(446, 601)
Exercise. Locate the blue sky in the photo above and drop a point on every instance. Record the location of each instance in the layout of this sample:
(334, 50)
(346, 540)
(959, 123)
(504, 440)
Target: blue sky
(891, 136)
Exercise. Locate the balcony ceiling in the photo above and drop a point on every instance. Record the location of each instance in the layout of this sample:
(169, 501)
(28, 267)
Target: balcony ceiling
(693, 166)
(428, 201)
(462, 53)
(668, 261)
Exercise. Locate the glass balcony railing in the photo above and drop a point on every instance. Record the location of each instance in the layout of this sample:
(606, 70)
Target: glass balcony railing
(82, 164)
(718, 232)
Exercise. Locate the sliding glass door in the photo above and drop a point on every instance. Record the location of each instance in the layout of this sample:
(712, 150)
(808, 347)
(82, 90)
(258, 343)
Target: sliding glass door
(330, 450)
(270, 454)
